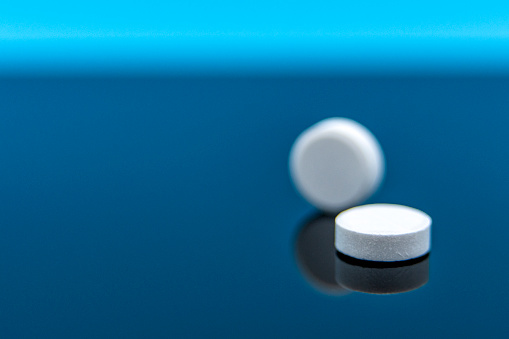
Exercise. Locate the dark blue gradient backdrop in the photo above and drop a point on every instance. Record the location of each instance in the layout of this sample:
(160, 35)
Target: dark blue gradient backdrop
(162, 207)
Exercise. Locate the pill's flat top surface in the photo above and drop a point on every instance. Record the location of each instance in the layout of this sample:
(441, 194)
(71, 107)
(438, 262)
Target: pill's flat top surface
(383, 219)
(336, 163)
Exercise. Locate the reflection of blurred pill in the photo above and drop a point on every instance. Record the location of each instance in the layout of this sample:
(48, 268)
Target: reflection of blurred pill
(316, 254)
(383, 232)
(336, 164)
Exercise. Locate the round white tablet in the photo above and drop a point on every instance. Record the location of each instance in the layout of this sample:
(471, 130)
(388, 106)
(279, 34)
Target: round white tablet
(383, 232)
(336, 163)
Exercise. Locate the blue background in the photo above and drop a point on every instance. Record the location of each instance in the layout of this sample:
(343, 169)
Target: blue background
(163, 206)
(144, 188)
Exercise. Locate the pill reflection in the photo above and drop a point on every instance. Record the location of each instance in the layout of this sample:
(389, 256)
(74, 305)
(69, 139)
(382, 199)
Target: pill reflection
(381, 277)
(315, 253)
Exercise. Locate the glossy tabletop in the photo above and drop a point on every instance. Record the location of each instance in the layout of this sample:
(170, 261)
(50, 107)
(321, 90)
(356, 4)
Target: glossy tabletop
(163, 207)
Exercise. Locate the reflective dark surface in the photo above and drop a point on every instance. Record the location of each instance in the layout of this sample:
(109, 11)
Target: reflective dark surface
(163, 207)
(381, 278)
(334, 273)
(316, 255)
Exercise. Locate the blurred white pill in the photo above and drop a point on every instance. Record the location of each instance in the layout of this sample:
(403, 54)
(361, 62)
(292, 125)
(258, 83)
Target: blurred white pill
(336, 164)
(383, 232)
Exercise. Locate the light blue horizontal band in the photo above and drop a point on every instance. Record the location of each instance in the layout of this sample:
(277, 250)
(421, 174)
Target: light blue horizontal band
(262, 37)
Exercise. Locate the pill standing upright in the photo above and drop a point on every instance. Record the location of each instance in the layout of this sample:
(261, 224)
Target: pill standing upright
(336, 163)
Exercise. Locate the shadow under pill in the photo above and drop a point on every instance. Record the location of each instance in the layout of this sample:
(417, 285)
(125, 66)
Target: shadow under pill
(333, 273)
(377, 277)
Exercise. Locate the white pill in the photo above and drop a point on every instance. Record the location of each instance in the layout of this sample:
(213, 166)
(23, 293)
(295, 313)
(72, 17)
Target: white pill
(383, 232)
(336, 163)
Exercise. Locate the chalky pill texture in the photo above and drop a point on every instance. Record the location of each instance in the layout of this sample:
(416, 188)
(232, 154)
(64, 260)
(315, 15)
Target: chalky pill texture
(336, 163)
(383, 232)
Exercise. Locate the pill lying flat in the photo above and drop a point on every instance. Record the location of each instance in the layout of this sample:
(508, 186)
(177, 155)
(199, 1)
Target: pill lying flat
(383, 232)
(336, 163)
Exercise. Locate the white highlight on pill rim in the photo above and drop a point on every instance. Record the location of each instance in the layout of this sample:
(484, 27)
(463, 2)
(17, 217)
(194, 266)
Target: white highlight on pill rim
(383, 232)
(336, 163)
